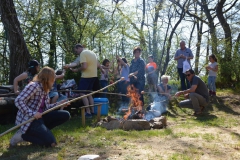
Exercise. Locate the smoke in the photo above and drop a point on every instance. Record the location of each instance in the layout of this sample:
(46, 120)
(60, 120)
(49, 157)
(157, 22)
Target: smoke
(157, 107)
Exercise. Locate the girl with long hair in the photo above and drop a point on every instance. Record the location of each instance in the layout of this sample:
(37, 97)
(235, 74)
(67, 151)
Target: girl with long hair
(212, 75)
(32, 102)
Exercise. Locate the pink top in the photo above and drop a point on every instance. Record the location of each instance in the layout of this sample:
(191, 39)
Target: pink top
(41, 108)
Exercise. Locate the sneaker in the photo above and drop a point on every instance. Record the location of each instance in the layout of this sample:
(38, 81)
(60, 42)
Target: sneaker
(197, 113)
(202, 108)
(213, 93)
(210, 93)
(88, 115)
(17, 137)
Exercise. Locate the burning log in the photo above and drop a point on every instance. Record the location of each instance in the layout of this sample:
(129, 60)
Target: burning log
(135, 104)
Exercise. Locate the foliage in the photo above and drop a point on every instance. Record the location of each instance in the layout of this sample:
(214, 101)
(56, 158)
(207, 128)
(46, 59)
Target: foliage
(52, 28)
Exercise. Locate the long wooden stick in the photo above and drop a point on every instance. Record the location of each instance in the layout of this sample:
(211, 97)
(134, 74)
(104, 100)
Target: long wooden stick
(7, 94)
(59, 106)
(80, 91)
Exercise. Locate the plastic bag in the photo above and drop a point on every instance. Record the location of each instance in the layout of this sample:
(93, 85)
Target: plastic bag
(186, 66)
(68, 84)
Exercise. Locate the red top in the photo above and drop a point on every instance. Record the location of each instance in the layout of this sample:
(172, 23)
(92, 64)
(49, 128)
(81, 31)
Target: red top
(151, 66)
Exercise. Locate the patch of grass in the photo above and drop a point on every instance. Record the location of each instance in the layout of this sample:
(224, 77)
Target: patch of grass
(179, 135)
(194, 135)
(208, 137)
(180, 140)
(61, 154)
(179, 156)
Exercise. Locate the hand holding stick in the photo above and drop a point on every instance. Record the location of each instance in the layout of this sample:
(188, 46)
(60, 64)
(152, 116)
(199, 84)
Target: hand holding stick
(132, 75)
(58, 106)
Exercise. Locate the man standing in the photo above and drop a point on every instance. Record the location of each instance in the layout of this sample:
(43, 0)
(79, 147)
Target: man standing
(197, 96)
(89, 65)
(181, 55)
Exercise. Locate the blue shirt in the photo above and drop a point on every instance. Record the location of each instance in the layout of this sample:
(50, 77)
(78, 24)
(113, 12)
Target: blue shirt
(187, 53)
(125, 72)
(138, 65)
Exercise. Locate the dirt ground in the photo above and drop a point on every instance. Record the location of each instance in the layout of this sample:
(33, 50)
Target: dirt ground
(188, 139)
(215, 136)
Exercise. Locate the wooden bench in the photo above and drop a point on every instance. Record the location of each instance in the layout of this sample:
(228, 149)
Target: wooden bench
(99, 105)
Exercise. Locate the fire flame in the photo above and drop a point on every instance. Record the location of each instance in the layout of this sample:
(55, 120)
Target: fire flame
(136, 103)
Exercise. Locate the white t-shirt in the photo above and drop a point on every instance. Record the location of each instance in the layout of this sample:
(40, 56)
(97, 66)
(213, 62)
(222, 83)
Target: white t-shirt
(211, 72)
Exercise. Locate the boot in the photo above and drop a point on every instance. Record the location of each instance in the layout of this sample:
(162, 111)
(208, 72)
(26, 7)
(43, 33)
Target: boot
(213, 93)
(210, 93)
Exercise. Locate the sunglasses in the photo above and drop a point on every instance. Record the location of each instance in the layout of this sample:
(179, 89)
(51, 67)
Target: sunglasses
(188, 75)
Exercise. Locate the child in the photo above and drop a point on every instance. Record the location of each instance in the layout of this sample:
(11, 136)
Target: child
(212, 68)
(32, 102)
(151, 74)
(53, 94)
(27, 76)
(104, 76)
(117, 76)
(124, 73)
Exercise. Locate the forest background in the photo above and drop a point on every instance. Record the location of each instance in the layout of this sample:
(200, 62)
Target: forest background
(47, 31)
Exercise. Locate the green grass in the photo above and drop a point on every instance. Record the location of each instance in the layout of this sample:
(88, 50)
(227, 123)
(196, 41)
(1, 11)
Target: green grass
(183, 131)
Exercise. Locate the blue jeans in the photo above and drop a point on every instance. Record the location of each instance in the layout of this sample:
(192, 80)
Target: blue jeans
(124, 85)
(103, 84)
(118, 86)
(211, 83)
(183, 79)
(39, 131)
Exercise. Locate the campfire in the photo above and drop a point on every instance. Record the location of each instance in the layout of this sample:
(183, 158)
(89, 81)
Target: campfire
(136, 104)
(135, 118)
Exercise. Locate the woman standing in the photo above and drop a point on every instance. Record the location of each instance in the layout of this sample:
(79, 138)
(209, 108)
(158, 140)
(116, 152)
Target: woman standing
(137, 71)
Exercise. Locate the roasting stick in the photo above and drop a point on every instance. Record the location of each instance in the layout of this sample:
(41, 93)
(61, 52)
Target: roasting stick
(61, 105)
(173, 96)
(143, 92)
(80, 91)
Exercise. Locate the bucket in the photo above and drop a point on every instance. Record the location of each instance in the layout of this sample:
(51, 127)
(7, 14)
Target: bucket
(104, 108)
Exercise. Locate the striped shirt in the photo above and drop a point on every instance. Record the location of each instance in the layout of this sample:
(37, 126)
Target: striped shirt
(29, 101)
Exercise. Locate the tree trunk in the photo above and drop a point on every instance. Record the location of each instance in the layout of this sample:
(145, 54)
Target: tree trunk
(226, 67)
(208, 43)
(141, 33)
(19, 54)
(211, 27)
(199, 40)
(52, 62)
(155, 21)
(236, 57)
(226, 29)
